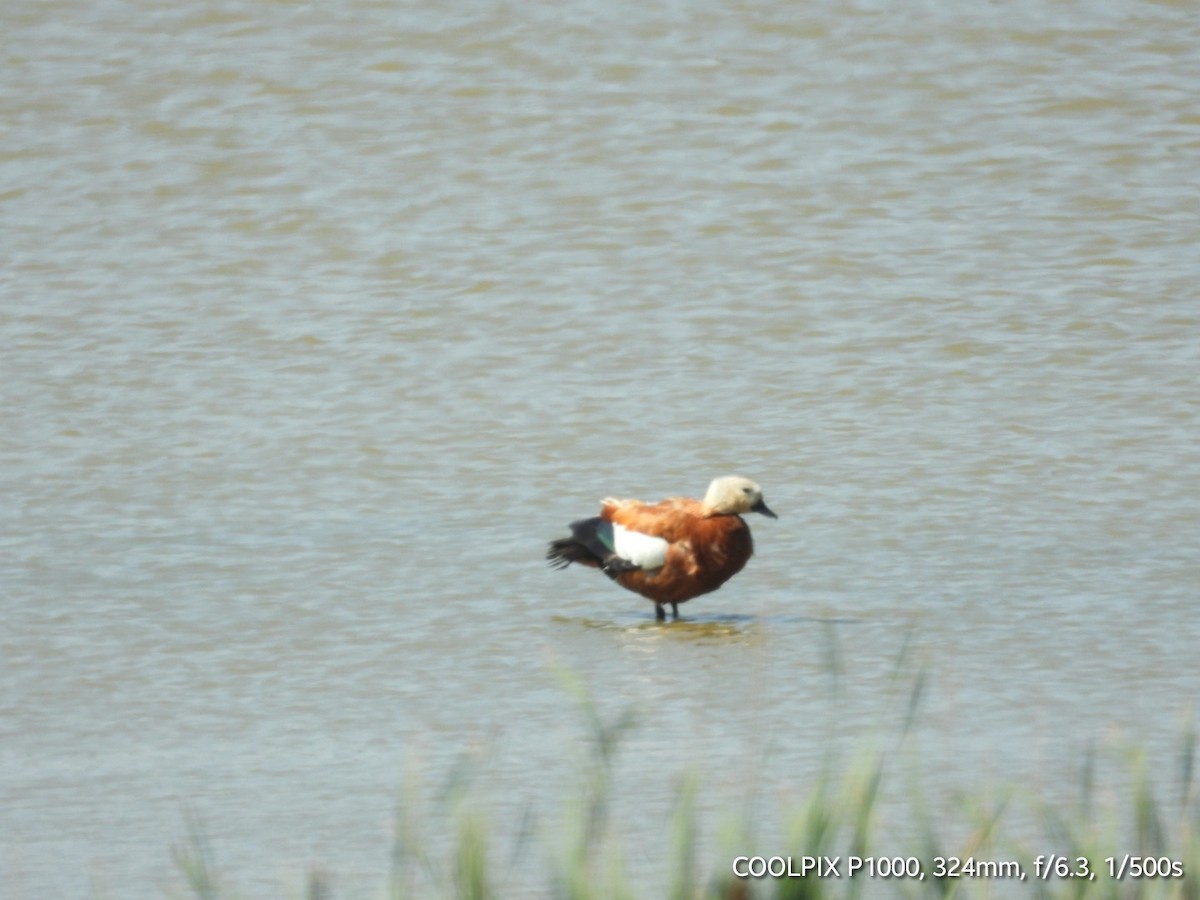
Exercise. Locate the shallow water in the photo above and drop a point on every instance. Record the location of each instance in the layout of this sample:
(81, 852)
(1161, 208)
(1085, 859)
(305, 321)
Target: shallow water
(318, 323)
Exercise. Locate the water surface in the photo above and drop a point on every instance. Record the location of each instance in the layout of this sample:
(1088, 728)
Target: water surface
(318, 321)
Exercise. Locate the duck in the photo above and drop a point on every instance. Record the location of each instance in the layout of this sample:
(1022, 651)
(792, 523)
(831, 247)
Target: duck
(671, 551)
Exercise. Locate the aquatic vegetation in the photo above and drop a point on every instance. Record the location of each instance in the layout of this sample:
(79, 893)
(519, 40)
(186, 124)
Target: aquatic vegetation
(1141, 841)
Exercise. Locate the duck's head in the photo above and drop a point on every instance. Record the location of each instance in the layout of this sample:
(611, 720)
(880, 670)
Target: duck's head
(733, 495)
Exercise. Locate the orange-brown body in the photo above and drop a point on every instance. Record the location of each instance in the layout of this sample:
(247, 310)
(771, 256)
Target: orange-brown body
(670, 551)
(705, 549)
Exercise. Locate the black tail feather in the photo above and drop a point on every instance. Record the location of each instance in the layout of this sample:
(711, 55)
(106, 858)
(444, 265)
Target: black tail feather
(590, 544)
(565, 551)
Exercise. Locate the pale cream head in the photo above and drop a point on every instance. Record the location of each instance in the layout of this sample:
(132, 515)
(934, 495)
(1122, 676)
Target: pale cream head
(735, 495)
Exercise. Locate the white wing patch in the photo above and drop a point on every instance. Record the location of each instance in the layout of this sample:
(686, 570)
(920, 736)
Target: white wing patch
(643, 550)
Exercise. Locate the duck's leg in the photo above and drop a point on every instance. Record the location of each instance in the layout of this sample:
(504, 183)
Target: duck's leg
(675, 611)
(659, 613)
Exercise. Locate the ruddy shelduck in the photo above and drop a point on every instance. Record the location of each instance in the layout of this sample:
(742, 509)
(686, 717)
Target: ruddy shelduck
(670, 551)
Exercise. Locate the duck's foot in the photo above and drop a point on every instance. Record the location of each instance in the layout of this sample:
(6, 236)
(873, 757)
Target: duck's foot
(660, 612)
(614, 566)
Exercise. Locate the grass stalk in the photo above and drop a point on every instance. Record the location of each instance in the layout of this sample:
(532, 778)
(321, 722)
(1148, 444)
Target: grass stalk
(840, 814)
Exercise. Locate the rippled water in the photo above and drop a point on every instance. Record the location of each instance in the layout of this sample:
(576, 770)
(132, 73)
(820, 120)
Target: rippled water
(319, 320)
